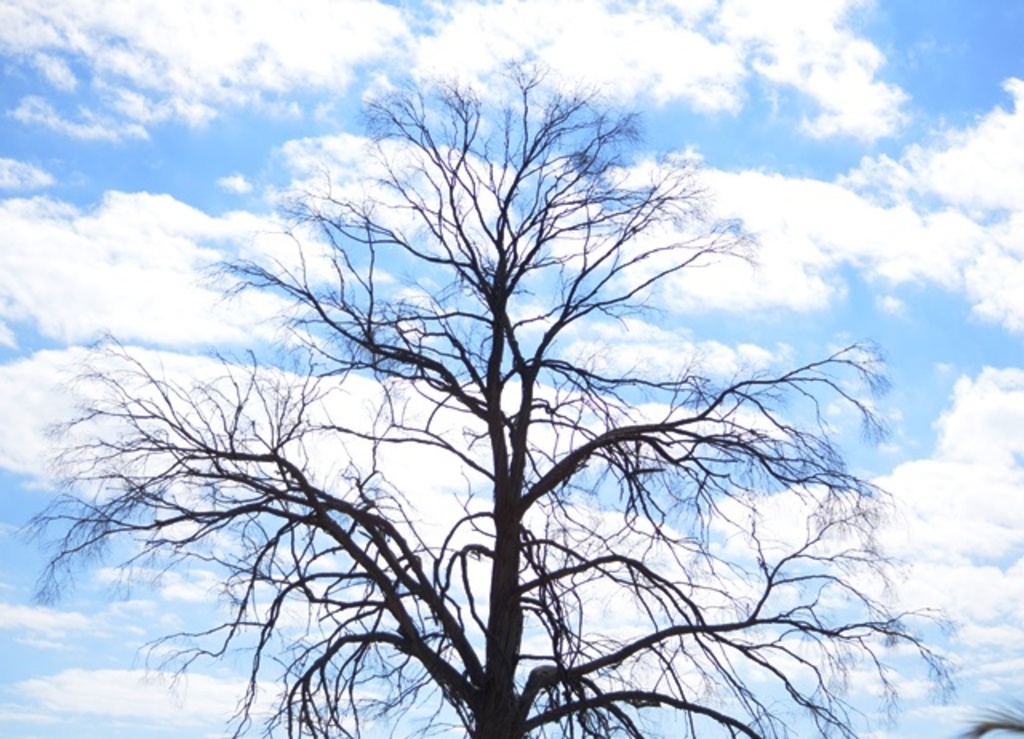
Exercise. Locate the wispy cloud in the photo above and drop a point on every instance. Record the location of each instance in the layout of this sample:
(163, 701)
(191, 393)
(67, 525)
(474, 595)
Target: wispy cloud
(16, 175)
(236, 184)
(138, 695)
(35, 111)
(46, 622)
(56, 71)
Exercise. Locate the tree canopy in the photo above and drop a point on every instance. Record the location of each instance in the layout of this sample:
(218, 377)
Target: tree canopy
(605, 544)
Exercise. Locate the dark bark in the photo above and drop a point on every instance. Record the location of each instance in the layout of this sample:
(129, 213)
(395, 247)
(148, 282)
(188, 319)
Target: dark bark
(1005, 720)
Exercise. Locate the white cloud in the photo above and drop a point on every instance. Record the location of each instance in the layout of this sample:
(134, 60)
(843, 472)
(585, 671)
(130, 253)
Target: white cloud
(156, 61)
(969, 183)
(34, 110)
(977, 168)
(34, 396)
(984, 423)
(198, 586)
(15, 175)
(653, 49)
(891, 304)
(810, 230)
(145, 110)
(346, 156)
(962, 509)
(700, 52)
(633, 345)
(120, 625)
(134, 695)
(809, 45)
(806, 230)
(994, 280)
(46, 622)
(958, 523)
(56, 71)
(152, 61)
(235, 183)
(135, 266)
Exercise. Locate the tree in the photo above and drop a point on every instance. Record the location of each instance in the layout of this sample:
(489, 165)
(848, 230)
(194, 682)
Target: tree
(611, 553)
(1008, 719)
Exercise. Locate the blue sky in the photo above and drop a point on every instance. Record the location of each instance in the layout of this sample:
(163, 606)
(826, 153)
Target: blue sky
(876, 149)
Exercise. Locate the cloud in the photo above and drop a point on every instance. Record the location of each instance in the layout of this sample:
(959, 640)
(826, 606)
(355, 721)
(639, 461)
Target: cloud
(34, 396)
(635, 346)
(654, 49)
(994, 278)
(34, 110)
(811, 47)
(891, 304)
(970, 181)
(134, 695)
(976, 168)
(702, 53)
(136, 265)
(117, 625)
(962, 509)
(56, 71)
(15, 175)
(957, 530)
(985, 419)
(349, 159)
(807, 230)
(152, 61)
(192, 586)
(39, 621)
(236, 184)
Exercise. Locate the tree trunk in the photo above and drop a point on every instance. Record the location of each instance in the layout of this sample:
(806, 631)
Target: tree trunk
(498, 718)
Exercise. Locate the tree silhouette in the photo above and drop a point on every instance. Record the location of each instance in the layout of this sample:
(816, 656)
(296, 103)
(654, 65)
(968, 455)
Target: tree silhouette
(606, 552)
(1008, 719)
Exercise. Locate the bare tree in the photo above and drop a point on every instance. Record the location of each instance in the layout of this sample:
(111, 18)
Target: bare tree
(610, 554)
(1009, 720)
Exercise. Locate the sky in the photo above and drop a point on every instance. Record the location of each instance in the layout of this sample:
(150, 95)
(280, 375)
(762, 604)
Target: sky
(874, 148)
